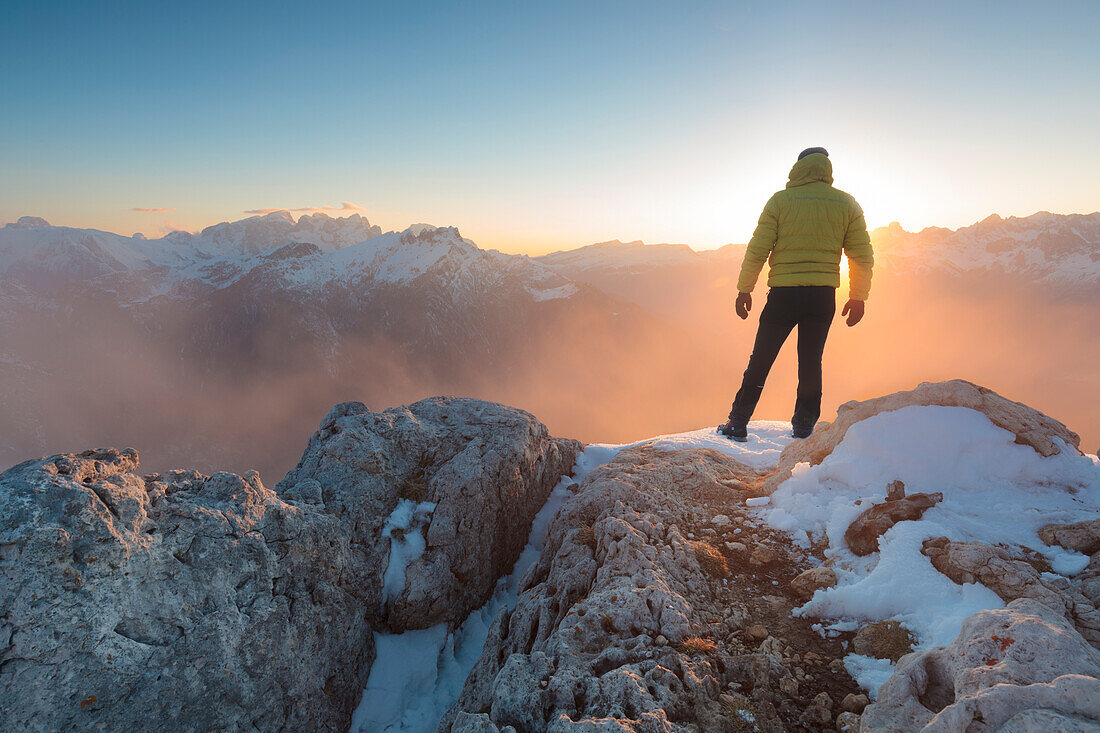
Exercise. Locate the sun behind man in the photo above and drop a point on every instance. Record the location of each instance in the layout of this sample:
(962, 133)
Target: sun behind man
(802, 232)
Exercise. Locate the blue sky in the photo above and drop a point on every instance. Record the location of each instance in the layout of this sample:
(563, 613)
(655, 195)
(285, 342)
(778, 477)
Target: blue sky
(540, 126)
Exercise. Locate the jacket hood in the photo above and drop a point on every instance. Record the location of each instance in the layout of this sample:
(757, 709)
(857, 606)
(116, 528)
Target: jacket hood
(814, 167)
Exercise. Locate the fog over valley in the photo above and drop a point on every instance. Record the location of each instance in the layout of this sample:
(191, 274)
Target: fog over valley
(221, 350)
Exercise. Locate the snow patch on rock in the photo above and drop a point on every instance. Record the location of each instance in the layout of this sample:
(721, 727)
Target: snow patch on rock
(767, 439)
(995, 491)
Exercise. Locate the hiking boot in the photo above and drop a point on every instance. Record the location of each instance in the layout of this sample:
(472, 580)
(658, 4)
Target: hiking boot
(738, 431)
(802, 432)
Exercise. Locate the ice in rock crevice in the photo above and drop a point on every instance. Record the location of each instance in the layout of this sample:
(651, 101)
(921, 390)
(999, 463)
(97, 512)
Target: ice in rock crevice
(404, 526)
(417, 675)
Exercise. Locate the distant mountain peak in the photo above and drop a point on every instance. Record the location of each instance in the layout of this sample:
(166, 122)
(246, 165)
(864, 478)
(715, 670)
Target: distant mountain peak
(29, 221)
(1056, 249)
(417, 229)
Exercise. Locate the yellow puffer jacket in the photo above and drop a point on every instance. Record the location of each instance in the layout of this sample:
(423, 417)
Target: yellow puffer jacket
(804, 229)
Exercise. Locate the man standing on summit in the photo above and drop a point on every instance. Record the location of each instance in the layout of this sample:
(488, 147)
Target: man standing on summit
(802, 233)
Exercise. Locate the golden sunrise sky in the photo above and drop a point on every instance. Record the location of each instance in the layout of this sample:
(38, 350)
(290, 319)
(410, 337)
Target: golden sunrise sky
(540, 127)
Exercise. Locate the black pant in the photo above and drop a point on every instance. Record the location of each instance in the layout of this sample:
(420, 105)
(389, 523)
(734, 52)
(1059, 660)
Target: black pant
(811, 308)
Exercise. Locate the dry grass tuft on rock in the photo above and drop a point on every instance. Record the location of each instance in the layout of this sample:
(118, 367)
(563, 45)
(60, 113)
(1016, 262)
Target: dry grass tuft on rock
(586, 535)
(415, 485)
(710, 559)
(697, 646)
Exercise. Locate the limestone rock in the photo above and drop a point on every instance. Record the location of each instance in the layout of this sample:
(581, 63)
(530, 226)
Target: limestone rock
(810, 581)
(762, 556)
(1012, 577)
(178, 600)
(847, 722)
(580, 653)
(883, 640)
(486, 467)
(214, 603)
(1030, 426)
(789, 686)
(480, 723)
(1020, 668)
(820, 710)
(854, 703)
(1083, 537)
(757, 632)
(863, 533)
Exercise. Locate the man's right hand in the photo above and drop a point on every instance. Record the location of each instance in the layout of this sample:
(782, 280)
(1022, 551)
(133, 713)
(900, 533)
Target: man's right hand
(743, 304)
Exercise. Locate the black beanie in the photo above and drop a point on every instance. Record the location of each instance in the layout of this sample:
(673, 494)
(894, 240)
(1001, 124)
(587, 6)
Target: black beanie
(811, 151)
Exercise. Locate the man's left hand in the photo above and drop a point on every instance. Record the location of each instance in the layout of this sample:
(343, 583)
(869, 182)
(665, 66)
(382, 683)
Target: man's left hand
(743, 305)
(854, 310)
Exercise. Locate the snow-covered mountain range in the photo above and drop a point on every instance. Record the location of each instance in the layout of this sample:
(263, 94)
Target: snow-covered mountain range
(1059, 250)
(298, 255)
(1050, 249)
(31, 250)
(1054, 249)
(281, 313)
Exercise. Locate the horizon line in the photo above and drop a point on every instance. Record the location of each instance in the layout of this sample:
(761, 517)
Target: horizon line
(362, 211)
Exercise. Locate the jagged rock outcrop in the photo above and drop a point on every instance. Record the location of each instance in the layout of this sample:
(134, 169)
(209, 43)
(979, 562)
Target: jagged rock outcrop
(198, 602)
(1083, 537)
(1030, 426)
(645, 613)
(487, 469)
(1021, 669)
(214, 603)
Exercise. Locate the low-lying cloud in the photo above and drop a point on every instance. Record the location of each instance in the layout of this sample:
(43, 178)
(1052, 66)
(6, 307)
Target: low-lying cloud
(153, 209)
(344, 206)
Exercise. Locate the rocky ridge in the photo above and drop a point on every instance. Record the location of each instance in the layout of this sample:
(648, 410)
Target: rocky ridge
(662, 603)
(661, 600)
(658, 604)
(1055, 250)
